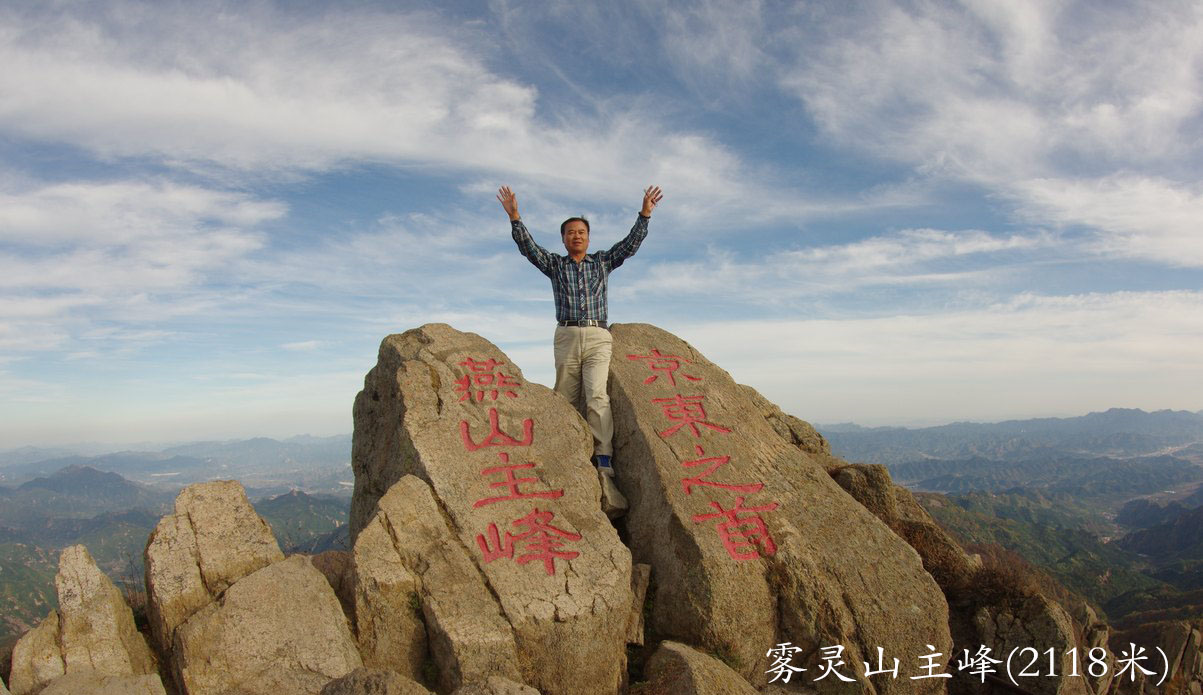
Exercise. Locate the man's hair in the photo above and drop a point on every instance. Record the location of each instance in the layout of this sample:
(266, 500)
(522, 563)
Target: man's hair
(564, 224)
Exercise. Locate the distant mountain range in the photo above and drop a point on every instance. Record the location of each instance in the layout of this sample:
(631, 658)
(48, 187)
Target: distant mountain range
(1116, 433)
(113, 517)
(265, 466)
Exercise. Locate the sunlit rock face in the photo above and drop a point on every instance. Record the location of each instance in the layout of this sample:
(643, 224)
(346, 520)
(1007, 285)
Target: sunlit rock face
(750, 541)
(507, 466)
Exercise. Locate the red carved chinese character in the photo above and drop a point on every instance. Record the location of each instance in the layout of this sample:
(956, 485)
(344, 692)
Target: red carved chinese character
(713, 462)
(686, 410)
(496, 436)
(484, 381)
(541, 541)
(742, 535)
(512, 483)
(664, 363)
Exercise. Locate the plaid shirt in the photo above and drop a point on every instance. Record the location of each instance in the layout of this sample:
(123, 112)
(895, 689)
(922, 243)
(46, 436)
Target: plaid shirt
(579, 288)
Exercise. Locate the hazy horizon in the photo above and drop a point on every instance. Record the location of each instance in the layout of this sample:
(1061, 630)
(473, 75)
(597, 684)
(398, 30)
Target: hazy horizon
(101, 447)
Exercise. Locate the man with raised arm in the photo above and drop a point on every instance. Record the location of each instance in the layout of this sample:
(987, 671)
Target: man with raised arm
(582, 341)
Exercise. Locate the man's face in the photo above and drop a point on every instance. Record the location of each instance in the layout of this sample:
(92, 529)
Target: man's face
(576, 237)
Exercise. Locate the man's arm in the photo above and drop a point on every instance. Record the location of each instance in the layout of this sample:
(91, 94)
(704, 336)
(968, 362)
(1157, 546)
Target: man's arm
(627, 247)
(534, 253)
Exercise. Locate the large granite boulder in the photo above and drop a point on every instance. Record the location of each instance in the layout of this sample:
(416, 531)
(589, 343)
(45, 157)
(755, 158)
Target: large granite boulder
(1036, 624)
(419, 595)
(92, 633)
(681, 670)
(508, 463)
(213, 539)
(751, 543)
(37, 658)
(279, 629)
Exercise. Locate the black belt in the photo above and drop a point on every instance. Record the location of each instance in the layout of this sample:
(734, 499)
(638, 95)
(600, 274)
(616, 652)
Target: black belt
(583, 323)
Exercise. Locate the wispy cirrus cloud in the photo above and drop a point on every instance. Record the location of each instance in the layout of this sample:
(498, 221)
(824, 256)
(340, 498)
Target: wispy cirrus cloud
(907, 258)
(1079, 113)
(260, 91)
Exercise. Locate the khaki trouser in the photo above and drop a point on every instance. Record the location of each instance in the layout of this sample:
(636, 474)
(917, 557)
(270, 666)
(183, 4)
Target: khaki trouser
(582, 368)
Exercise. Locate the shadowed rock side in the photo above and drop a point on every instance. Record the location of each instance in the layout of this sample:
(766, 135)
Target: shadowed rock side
(508, 463)
(751, 542)
(91, 638)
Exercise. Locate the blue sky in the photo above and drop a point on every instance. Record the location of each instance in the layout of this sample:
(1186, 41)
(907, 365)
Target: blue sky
(880, 212)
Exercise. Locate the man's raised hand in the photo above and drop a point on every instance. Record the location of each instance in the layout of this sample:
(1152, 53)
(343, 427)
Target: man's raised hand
(510, 202)
(651, 196)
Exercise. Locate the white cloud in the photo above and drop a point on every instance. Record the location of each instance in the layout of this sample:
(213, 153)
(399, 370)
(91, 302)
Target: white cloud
(1137, 216)
(1033, 354)
(259, 90)
(303, 346)
(992, 91)
(78, 257)
(905, 258)
(121, 212)
(1080, 113)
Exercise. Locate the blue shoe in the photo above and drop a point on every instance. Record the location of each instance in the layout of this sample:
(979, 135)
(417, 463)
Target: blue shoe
(603, 461)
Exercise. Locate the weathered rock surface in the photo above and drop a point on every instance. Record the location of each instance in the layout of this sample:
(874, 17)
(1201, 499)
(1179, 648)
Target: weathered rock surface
(751, 542)
(213, 539)
(871, 486)
(508, 462)
(373, 681)
(796, 431)
(415, 582)
(496, 685)
(681, 670)
(91, 683)
(93, 631)
(1038, 623)
(1182, 642)
(37, 658)
(3, 689)
(96, 626)
(279, 629)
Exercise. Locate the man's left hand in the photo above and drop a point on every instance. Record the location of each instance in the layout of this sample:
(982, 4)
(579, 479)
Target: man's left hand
(651, 197)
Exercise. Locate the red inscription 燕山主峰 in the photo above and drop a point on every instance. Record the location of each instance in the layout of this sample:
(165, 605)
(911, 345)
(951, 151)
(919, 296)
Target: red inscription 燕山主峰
(496, 437)
(746, 537)
(512, 483)
(686, 410)
(713, 463)
(484, 381)
(668, 364)
(541, 541)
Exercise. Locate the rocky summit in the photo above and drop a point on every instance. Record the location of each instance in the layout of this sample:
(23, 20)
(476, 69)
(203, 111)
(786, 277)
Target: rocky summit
(750, 560)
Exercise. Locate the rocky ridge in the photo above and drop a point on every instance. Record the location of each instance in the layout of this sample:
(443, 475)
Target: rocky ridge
(483, 565)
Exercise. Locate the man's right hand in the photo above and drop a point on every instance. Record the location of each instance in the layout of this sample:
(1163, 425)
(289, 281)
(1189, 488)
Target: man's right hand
(508, 201)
